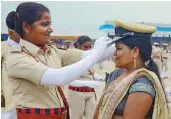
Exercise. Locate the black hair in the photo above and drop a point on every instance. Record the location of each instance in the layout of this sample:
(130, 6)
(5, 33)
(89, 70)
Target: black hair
(28, 12)
(75, 45)
(145, 48)
(81, 40)
(10, 20)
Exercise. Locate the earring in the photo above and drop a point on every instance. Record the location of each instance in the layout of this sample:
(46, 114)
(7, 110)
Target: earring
(27, 32)
(135, 63)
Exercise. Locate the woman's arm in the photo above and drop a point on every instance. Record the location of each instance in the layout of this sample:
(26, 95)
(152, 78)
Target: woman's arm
(140, 99)
(137, 106)
(67, 74)
(39, 73)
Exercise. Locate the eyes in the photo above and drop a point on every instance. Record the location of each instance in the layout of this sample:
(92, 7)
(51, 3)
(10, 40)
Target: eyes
(118, 48)
(45, 24)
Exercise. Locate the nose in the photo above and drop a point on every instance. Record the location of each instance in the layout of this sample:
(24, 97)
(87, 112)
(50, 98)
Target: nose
(115, 53)
(89, 48)
(50, 30)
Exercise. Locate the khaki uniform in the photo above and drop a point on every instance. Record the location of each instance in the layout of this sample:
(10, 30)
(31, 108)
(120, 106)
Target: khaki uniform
(157, 52)
(6, 90)
(165, 59)
(82, 104)
(8, 110)
(25, 74)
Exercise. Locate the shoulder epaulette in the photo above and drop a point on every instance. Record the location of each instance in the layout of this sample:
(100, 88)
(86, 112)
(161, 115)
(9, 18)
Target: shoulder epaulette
(61, 48)
(15, 49)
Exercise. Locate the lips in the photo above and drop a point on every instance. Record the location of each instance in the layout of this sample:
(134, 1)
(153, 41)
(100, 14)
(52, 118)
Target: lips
(48, 36)
(116, 59)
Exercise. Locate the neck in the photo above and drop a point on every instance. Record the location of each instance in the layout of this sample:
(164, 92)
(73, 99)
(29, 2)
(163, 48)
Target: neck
(40, 46)
(131, 69)
(17, 41)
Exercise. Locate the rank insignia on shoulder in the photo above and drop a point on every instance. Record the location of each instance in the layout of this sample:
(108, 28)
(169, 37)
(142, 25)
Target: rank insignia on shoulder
(16, 49)
(61, 48)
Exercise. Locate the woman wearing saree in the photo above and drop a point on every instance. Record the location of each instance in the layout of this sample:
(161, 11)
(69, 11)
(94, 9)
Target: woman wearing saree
(133, 90)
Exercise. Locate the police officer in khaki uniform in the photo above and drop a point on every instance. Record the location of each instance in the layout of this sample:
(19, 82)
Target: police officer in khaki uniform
(7, 105)
(164, 60)
(156, 54)
(82, 97)
(34, 67)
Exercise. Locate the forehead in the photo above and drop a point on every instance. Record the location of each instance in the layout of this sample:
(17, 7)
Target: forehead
(45, 16)
(87, 43)
(120, 43)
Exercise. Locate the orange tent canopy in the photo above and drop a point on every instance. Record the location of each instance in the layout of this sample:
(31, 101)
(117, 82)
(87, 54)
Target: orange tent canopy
(65, 37)
(60, 37)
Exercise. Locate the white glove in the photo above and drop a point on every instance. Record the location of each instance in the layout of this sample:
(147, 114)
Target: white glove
(79, 83)
(102, 43)
(108, 53)
(97, 77)
(67, 74)
(101, 40)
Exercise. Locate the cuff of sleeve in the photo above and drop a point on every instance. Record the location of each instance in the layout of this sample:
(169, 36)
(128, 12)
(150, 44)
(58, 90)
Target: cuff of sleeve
(141, 87)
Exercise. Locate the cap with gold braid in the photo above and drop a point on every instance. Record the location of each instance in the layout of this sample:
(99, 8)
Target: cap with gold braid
(124, 29)
(155, 43)
(135, 35)
(165, 44)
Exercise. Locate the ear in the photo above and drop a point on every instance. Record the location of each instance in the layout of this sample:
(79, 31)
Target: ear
(78, 45)
(26, 27)
(10, 32)
(136, 52)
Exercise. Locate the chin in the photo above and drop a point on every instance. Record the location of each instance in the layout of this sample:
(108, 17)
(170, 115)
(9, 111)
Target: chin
(46, 41)
(118, 66)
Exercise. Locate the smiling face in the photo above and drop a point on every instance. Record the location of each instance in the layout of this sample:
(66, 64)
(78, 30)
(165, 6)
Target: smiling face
(123, 56)
(39, 32)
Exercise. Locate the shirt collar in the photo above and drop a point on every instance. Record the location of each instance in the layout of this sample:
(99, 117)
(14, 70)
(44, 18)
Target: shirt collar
(12, 42)
(33, 49)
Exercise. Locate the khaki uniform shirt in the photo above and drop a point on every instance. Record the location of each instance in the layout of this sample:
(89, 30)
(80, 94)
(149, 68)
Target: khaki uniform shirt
(25, 74)
(156, 51)
(164, 53)
(6, 90)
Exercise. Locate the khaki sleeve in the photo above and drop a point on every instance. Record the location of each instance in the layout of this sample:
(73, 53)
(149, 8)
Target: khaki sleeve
(2, 60)
(20, 65)
(70, 56)
(3, 49)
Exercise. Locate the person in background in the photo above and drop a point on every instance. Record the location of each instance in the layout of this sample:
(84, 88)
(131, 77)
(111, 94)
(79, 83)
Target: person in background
(157, 55)
(82, 96)
(67, 44)
(7, 105)
(165, 60)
